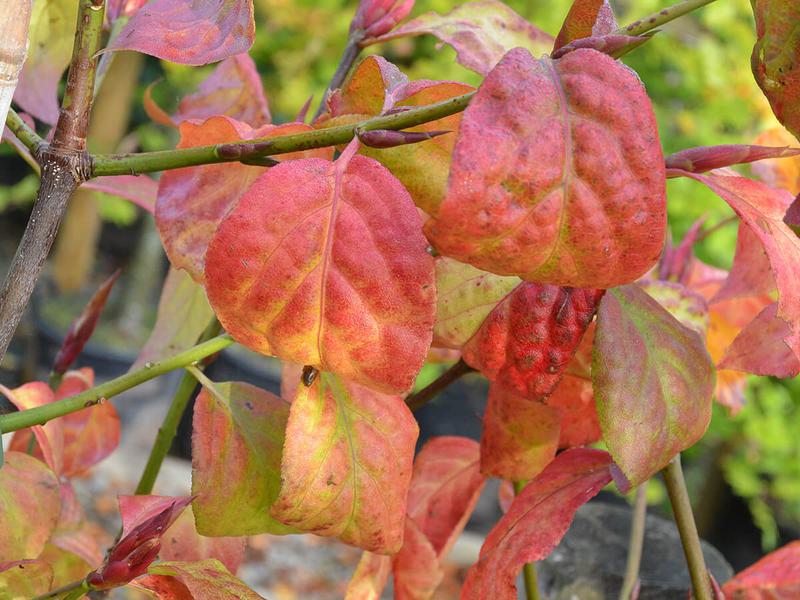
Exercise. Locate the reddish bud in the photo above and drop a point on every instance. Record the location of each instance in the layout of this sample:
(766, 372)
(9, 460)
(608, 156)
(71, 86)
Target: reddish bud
(386, 138)
(706, 158)
(613, 45)
(82, 328)
(675, 260)
(376, 17)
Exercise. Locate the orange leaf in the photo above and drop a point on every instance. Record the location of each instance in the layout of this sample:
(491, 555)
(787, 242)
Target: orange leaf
(774, 577)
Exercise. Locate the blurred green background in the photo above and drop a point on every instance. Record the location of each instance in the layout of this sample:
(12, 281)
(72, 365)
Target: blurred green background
(697, 73)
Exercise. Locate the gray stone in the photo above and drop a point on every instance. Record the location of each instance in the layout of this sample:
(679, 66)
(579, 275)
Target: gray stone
(589, 563)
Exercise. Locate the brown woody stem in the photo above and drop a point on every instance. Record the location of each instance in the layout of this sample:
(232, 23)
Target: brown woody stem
(429, 392)
(684, 519)
(65, 165)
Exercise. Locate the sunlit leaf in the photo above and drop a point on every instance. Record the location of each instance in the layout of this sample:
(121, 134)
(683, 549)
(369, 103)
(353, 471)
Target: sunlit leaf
(189, 32)
(324, 264)
(535, 522)
(202, 580)
(557, 174)
(24, 579)
(347, 464)
(776, 58)
(27, 520)
(370, 577)
(529, 338)
(237, 437)
(480, 32)
(689, 307)
(774, 577)
(653, 381)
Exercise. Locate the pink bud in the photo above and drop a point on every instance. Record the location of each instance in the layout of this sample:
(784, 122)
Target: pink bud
(613, 45)
(674, 261)
(386, 138)
(82, 328)
(116, 573)
(706, 158)
(376, 17)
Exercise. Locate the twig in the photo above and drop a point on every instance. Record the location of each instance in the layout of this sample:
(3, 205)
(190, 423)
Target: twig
(529, 576)
(635, 543)
(684, 519)
(42, 414)
(663, 16)
(426, 394)
(29, 138)
(65, 165)
(714, 228)
(76, 587)
(148, 162)
(169, 427)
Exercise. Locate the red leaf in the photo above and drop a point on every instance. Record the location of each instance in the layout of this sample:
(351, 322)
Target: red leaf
(347, 464)
(774, 577)
(706, 158)
(183, 314)
(188, 32)
(246, 425)
(182, 542)
(50, 436)
(762, 209)
(370, 577)
(586, 18)
(233, 90)
(480, 32)
(27, 519)
(203, 580)
(776, 58)
(82, 328)
(574, 399)
(527, 340)
(193, 201)
(536, 521)
(317, 267)
(653, 381)
(519, 437)
(416, 568)
(465, 296)
(376, 17)
(750, 274)
(548, 143)
(445, 487)
(139, 189)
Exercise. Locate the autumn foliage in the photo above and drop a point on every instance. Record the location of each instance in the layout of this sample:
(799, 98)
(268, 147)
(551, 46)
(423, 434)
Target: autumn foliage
(525, 236)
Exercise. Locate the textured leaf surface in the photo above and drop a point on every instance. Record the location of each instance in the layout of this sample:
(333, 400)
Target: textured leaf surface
(653, 381)
(586, 18)
(370, 577)
(774, 577)
(689, 307)
(444, 489)
(557, 174)
(324, 264)
(183, 314)
(574, 400)
(519, 437)
(465, 296)
(190, 33)
(480, 32)
(26, 519)
(237, 437)
(776, 58)
(182, 542)
(347, 464)
(50, 37)
(527, 340)
(762, 209)
(233, 90)
(25, 579)
(193, 201)
(203, 580)
(536, 521)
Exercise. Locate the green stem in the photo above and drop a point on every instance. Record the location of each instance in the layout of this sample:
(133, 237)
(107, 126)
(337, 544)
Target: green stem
(429, 392)
(684, 519)
(529, 569)
(663, 16)
(73, 590)
(636, 542)
(29, 138)
(42, 414)
(169, 427)
(148, 162)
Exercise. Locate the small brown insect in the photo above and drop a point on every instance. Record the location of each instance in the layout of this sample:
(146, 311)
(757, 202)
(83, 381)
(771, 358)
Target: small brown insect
(309, 375)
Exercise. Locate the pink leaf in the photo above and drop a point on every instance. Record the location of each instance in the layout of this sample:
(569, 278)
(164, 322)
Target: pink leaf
(536, 521)
(574, 399)
(750, 274)
(416, 568)
(347, 464)
(189, 32)
(774, 577)
(139, 189)
(552, 158)
(203, 580)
